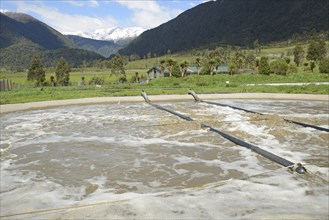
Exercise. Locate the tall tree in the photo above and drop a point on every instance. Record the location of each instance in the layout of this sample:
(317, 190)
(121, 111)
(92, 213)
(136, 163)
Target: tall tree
(231, 67)
(316, 50)
(250, 60)
(212, 65)
(239, 59)
(162, 67)
(171, 63)
(183, 67)
(62, 72)
(118, 64)
(36, 72)
(298, 54)
(198, 64)
(324, 65)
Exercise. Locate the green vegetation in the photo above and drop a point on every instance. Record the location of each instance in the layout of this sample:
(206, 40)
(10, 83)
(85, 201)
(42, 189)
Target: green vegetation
(264, 67)
(279, 67)
(298, 55)
(201, 84)
(324, 65)
(241, 23)
(36, 72)
(316, 50)
(121, 77)
(62, 72)
(22, 37)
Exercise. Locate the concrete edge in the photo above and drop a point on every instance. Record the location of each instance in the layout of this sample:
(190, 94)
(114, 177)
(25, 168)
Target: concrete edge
(157, 98)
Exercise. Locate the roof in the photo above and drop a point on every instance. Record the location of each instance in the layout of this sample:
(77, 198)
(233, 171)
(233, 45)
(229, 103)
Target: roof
(155, 68)
(192, 69)
(222, 69)
(158, 69)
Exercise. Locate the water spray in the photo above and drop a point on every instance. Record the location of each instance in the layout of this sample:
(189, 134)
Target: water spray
(282, 161)
(196, 98)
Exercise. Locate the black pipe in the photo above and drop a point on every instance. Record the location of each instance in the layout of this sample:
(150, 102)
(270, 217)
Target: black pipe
(307, 125)
(235, 140)
(258, 150)
(196, 98)
(223, 105)
(144, 95)
(172, 112)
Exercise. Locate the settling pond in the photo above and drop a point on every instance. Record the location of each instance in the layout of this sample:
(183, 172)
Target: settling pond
(135, 161)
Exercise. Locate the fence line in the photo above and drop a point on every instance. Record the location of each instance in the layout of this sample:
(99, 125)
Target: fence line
(7, 85)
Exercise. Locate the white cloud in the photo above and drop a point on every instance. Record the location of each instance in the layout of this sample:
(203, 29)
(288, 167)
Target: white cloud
(149, 14)
(65, 22)
(79, 3)
(75, 3)
(93, 3)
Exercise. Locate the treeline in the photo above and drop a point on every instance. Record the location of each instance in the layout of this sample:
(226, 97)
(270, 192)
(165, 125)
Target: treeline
(37, 74)
(239, 60)
(236, 58)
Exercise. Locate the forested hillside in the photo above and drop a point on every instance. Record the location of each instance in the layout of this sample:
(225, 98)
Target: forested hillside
(22, 36)
(233, 22)
(15, 26)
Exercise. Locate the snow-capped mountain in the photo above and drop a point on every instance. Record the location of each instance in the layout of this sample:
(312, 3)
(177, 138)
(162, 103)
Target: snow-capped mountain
(120, 36)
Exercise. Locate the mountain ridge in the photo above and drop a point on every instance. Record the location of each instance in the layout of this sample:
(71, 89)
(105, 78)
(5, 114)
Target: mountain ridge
(13, 23)
(23, 36)
(102, 47)
(234, 22)
(120, 36)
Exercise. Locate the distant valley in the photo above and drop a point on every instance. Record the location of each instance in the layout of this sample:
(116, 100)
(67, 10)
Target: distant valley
(105, 42)
(22, 36)
(120, 36)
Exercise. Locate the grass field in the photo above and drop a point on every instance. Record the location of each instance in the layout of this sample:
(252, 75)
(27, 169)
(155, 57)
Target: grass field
(201, 84)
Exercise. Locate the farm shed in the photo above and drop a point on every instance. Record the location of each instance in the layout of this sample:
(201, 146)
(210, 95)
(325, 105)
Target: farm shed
(155, 72)
(191, 70)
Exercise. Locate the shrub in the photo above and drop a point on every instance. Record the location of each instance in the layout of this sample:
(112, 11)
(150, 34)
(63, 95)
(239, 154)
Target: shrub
(312, 65)
(122, 79)
(287, 59)
(324, 65)
(176, 71)
(96, 81)
(292, 68)
(264, 67)
(279, 67)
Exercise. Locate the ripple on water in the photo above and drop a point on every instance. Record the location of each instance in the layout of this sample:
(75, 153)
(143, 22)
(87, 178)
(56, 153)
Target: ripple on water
(108, 152)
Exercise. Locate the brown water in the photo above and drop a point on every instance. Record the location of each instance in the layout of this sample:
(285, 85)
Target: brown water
(84, 153)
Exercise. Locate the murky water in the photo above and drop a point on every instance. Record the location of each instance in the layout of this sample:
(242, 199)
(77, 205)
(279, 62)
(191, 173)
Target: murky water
(166, 167)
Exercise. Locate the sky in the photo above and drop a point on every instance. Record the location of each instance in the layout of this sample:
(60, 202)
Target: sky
(89, 15)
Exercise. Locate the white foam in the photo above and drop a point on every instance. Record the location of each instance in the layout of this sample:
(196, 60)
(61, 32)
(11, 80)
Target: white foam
(109, 140)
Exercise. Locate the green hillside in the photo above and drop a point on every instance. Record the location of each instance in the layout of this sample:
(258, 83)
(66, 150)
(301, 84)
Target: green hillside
(22, 36)
(14, 26)
(234, 22)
